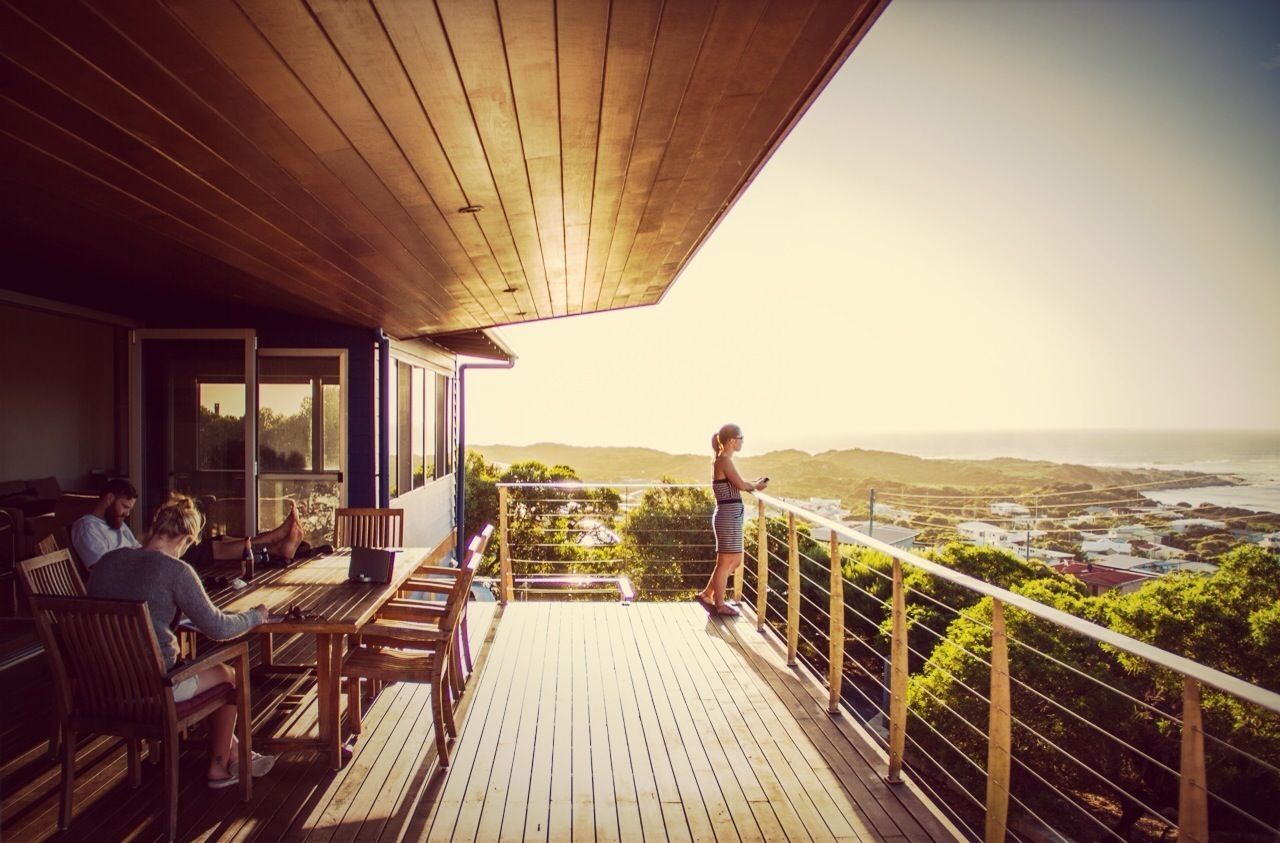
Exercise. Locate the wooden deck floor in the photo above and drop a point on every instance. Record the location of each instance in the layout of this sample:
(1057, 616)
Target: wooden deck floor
(586, 721)
(655, 722)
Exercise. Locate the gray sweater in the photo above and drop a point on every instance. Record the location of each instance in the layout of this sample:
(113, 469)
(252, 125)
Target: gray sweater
(167, 585)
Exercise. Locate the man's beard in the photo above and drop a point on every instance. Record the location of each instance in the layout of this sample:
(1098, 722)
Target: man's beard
(114, 520)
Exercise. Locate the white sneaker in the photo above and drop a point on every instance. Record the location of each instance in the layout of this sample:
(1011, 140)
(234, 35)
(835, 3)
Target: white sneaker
(259, 763)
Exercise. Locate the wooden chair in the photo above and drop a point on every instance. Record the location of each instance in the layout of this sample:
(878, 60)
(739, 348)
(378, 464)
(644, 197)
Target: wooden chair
(47, 545)
(54, 574)
(369, 528)
(108, 662)
(438, 580)
(413, 653)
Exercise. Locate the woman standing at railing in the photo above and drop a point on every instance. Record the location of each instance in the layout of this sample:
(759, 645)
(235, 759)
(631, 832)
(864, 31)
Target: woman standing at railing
(727, 486)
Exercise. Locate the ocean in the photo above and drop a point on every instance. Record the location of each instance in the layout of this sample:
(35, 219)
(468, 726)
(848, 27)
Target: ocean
(1251, 455)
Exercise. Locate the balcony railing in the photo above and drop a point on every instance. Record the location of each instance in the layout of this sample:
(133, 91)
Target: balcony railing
(1018, 718)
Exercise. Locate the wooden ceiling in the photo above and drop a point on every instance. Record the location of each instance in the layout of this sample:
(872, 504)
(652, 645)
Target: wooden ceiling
(314, 155)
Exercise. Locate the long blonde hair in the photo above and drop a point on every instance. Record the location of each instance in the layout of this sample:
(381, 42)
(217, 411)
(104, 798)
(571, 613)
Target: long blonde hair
(723, 435)
(178, 518)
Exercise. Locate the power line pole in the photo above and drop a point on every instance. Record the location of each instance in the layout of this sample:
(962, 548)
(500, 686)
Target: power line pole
(871, 514)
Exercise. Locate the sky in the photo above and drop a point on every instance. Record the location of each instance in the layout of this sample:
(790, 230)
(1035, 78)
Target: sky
(998, 216)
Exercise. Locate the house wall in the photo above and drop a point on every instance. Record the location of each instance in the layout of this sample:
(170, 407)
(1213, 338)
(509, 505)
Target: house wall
(58, 397)
(428, 512)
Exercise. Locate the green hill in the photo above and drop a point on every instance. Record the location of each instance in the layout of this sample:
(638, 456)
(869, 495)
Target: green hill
(844, 474)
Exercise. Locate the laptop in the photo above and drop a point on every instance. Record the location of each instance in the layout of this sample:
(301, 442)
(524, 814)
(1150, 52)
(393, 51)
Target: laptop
(371, 565)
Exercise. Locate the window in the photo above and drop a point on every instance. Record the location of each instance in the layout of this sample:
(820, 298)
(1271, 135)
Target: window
(419, 427)
(220, 427)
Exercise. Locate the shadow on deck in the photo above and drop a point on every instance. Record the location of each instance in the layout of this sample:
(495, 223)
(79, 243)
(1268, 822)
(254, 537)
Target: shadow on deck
(584, 721)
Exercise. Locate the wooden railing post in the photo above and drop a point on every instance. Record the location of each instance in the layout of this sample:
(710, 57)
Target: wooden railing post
(762, 565)
(738, 574)
(898, 677)
(1193, 792)
(793, 590)
(999, 751)
(505, 582)
(835, 658)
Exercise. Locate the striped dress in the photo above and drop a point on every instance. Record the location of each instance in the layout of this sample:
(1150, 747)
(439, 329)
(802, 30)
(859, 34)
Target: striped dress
(727, 519)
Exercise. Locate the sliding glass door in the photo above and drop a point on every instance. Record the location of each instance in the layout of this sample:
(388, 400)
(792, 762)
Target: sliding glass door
(302, 412)
(192, 409)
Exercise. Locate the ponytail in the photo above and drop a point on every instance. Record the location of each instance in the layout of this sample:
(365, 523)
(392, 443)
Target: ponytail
(178, 518)
(723, 435)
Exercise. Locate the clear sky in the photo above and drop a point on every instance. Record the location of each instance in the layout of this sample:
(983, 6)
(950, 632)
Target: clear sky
(999, 215)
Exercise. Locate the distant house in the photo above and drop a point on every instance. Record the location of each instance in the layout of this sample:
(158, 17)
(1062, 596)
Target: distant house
(902, 538)
(1020, 537)
(893, 513)
(1271, 541)
(597, 535)
(1189, 567)
(1050, 557)
(1154, 550)
(1102, 545)
(1097, 510)
(1007, 509)
(1099, 579)
(826, 507)
(981, 533)
(1125, 562)
(1183, 524)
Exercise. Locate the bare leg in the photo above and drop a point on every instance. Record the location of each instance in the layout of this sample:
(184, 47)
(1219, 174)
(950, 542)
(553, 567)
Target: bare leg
(714, 592)
(721, 577)
(230, 548)
(222, 723)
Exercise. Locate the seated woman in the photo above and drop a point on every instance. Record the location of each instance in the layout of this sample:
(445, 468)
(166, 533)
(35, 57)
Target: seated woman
(156, 574)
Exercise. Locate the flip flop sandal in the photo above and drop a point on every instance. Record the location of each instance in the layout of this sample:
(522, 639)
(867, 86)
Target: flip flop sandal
(726, 611)
(220, 784)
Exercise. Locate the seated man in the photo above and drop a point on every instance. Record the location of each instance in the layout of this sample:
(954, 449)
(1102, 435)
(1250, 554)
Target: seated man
(104, 529)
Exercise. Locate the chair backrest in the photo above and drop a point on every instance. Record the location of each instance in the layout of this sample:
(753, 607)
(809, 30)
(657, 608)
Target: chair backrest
(485, 535)
(47, 545)
(461, 591)
(54, 574)
(369, 528)
(107, 654)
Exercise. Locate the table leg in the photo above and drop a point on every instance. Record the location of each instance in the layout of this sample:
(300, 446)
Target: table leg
(268, 647)
(334, 691)
(323, 665)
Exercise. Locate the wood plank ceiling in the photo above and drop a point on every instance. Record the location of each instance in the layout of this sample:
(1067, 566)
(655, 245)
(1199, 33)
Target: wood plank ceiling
(315, 155)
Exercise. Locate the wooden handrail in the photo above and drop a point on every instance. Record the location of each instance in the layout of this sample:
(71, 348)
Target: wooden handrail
(1203, 674)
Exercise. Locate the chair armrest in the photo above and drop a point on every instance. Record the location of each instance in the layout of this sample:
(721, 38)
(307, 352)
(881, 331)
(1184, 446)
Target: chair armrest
(427, 587)
(410, 635)
(223, 655)
(417, 606)
(410, 610)
(437, 571)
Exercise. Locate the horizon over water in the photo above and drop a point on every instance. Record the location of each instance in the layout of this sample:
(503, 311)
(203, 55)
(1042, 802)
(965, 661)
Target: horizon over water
(1253, 455)
(1249, 452)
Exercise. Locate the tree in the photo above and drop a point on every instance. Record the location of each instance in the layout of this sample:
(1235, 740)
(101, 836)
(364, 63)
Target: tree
(1228, 621)
(481, 498)
(667, 541)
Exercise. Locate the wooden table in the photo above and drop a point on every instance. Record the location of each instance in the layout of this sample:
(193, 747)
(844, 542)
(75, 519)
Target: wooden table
(335, 608)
